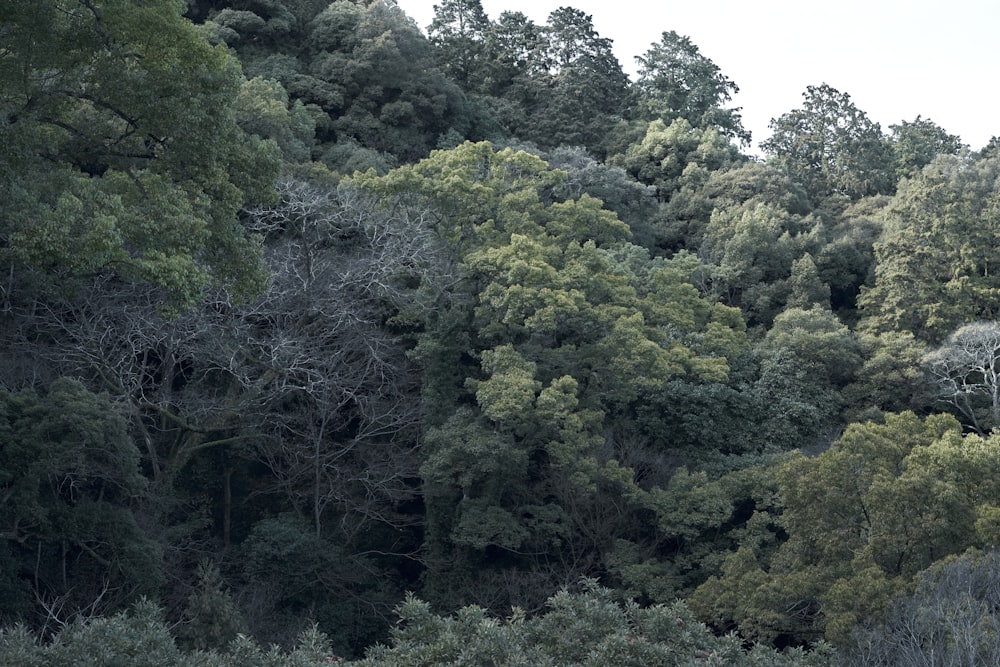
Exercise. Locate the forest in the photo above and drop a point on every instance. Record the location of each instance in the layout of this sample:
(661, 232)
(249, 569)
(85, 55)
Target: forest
(327, 338)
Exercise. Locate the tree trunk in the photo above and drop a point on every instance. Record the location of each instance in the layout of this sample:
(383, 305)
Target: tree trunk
(227, 505)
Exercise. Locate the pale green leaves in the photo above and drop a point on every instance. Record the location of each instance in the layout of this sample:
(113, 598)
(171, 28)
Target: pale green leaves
(510, 391)
(883, 503)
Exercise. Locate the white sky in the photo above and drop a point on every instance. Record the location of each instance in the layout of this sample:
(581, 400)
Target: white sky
(896, 58)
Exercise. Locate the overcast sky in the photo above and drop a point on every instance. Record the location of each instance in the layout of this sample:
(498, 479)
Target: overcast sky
(897, 59)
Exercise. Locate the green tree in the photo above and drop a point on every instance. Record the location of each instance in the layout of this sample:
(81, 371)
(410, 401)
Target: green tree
(756, 183)
(566, 328)
(578, 90)
(991, 149)
(672, 157)
(807, 288)
(582, 628)
(917, 143)
(299, 580)
(862, 519)
(122, 151)
(936, 260)
(211, 619)
(713, 185)
(459, 32)
(752, 249)
(891, 378)
(515, 45)
(818, 339)
(141, 637)
(831, 147)
(634, 203)
(70, 473)
(677, 81)
(846, 261)
(263, 109)
(363, 72)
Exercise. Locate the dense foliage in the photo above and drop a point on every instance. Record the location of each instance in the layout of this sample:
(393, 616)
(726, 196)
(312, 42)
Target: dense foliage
(322, 334)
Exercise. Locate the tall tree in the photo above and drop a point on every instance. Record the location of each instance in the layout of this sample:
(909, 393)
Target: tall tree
(950, 619)
(515, 47)
(323, 375)
(917, 143)
(753, 246)
(832, 147)
(370, 68)
(677, 159)
(859, 521)
(562, 328)
(936, 261)
(579, 90)
(70, 475)
(459, 31)
(677, 81)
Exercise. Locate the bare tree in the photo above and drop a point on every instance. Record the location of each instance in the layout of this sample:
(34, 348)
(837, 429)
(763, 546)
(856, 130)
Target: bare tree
(169, 372)
(313, 377)
(951, 619)
(966, 369)
(338, 395)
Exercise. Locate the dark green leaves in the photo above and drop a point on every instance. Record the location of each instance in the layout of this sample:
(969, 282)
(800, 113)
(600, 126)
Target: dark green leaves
(676, 81)
(119, 133)
(831, 147)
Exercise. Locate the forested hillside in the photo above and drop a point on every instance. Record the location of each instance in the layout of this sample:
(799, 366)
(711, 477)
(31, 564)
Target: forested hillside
(323, 333)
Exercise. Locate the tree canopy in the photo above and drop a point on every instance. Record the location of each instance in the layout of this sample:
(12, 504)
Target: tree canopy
(325, 334)
(122, 151)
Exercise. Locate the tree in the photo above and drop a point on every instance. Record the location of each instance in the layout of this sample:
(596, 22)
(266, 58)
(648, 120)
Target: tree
(882, 504)
(936, 261)
(211, 619)
(324, 375)
(634, 203)
(264, 110)
(122, 154)
(141, 637)
(712, 185)
(917, 143)
(459, 32)
(69, 475)
(807, 288)
(671, 157)
(846, 262)
(677, 81)
(891, 379)
(950, 619)
(558, 329)
(991, 149)
(753, 247)
(831, 147)
(515, 46)
(756, 183)
(363, 71)
(586, 627)
(579, 90)
(817, 339)
(966, 369)
(301, 401)
(294, 580)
